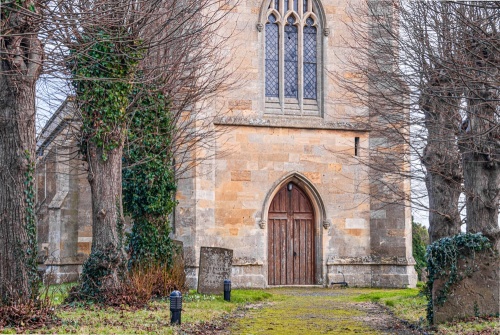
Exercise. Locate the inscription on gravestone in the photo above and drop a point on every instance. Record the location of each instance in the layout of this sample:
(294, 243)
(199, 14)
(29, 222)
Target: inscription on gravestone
(215, 266)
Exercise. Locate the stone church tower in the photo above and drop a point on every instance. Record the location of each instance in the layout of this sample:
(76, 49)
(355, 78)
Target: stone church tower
(283, 186)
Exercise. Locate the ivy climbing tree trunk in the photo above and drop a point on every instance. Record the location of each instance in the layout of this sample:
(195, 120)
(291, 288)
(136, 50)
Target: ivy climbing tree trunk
(122, 51)
(105, 63)
(21, 56)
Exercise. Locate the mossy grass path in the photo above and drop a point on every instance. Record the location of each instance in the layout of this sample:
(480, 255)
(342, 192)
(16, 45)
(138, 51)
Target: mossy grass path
(317, 311)
(285, 311)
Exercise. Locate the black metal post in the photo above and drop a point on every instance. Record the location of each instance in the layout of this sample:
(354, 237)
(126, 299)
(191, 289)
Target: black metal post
(175, 307)
(227, 290)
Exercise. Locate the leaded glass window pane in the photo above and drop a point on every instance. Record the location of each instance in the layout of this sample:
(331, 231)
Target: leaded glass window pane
(291, 59)
(310, 60)
(282, 54)
(272, 58)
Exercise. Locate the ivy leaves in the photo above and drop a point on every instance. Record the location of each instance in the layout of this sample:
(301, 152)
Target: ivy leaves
(29, 251)
(148, 176)
(103, 79)
(149, 180)
(443, 258)
(115, 109)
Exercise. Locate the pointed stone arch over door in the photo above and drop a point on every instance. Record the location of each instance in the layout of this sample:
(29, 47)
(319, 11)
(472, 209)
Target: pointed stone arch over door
(291, 238)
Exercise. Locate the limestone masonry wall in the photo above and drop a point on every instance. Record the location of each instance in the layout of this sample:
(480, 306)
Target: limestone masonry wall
(258, 151)
(263, 144)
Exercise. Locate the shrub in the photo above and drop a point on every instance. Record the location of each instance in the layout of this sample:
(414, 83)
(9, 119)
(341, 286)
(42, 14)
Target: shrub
(34, 314)
(420, 239)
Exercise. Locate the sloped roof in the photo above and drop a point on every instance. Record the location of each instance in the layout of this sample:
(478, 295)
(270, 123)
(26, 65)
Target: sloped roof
(57, 122)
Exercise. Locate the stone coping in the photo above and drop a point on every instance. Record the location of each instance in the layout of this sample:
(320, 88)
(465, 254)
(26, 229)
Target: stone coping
(256, 263)
(342, 261)
(296, 286)
(370, 260)
(291, 122)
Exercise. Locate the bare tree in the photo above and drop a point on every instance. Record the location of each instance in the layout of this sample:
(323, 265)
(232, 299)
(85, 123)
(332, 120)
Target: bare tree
(21, 61)
(441, 157)
(116, 51)
(429, 67)
(480, 137)
(120, 52)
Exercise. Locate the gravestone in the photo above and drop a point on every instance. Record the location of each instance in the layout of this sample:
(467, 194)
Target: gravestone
(215, 266)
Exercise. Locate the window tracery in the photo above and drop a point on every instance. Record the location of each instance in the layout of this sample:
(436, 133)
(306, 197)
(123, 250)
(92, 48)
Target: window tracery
(292, 47)
(291, 58)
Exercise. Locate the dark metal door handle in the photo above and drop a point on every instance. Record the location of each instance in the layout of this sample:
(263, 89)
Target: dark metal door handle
(294, 254)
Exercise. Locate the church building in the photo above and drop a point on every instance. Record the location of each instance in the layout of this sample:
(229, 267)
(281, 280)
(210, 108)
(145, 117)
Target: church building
(283, 185)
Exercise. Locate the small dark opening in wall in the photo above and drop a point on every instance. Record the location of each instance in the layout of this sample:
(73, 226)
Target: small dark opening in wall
(356, 146)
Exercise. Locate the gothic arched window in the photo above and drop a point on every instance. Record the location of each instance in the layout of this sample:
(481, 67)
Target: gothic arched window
(292, 46)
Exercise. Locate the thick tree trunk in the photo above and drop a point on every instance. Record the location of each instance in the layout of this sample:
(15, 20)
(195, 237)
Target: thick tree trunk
(17, 223)
(19, 69)
(480, 144)
(482, 181)
(480, 138)
(106, 263)
(442, 161)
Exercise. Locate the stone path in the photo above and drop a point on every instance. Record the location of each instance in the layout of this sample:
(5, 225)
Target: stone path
(309, 311)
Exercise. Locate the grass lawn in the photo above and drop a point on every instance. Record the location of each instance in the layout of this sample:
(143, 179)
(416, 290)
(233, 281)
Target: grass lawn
(154, 319)
(212, 311)
(406, 304)
(411, 305)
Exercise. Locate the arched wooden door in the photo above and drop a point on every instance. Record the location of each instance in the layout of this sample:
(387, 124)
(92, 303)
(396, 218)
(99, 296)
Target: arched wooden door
(291, 253)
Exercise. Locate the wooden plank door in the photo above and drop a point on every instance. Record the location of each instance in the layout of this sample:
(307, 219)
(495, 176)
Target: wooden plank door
(291, 243)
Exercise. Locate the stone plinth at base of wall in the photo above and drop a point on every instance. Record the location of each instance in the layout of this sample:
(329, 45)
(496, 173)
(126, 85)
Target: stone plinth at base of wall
(374, 275)
(361, 275)
(476, 295)
(373, 271)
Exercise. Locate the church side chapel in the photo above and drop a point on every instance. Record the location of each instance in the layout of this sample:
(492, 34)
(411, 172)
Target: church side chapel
(282, 186)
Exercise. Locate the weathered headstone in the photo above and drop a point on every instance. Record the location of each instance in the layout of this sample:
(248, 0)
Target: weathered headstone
(215, 266)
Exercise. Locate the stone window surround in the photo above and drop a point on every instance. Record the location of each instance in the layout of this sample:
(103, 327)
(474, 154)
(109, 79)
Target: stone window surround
(290, 106)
